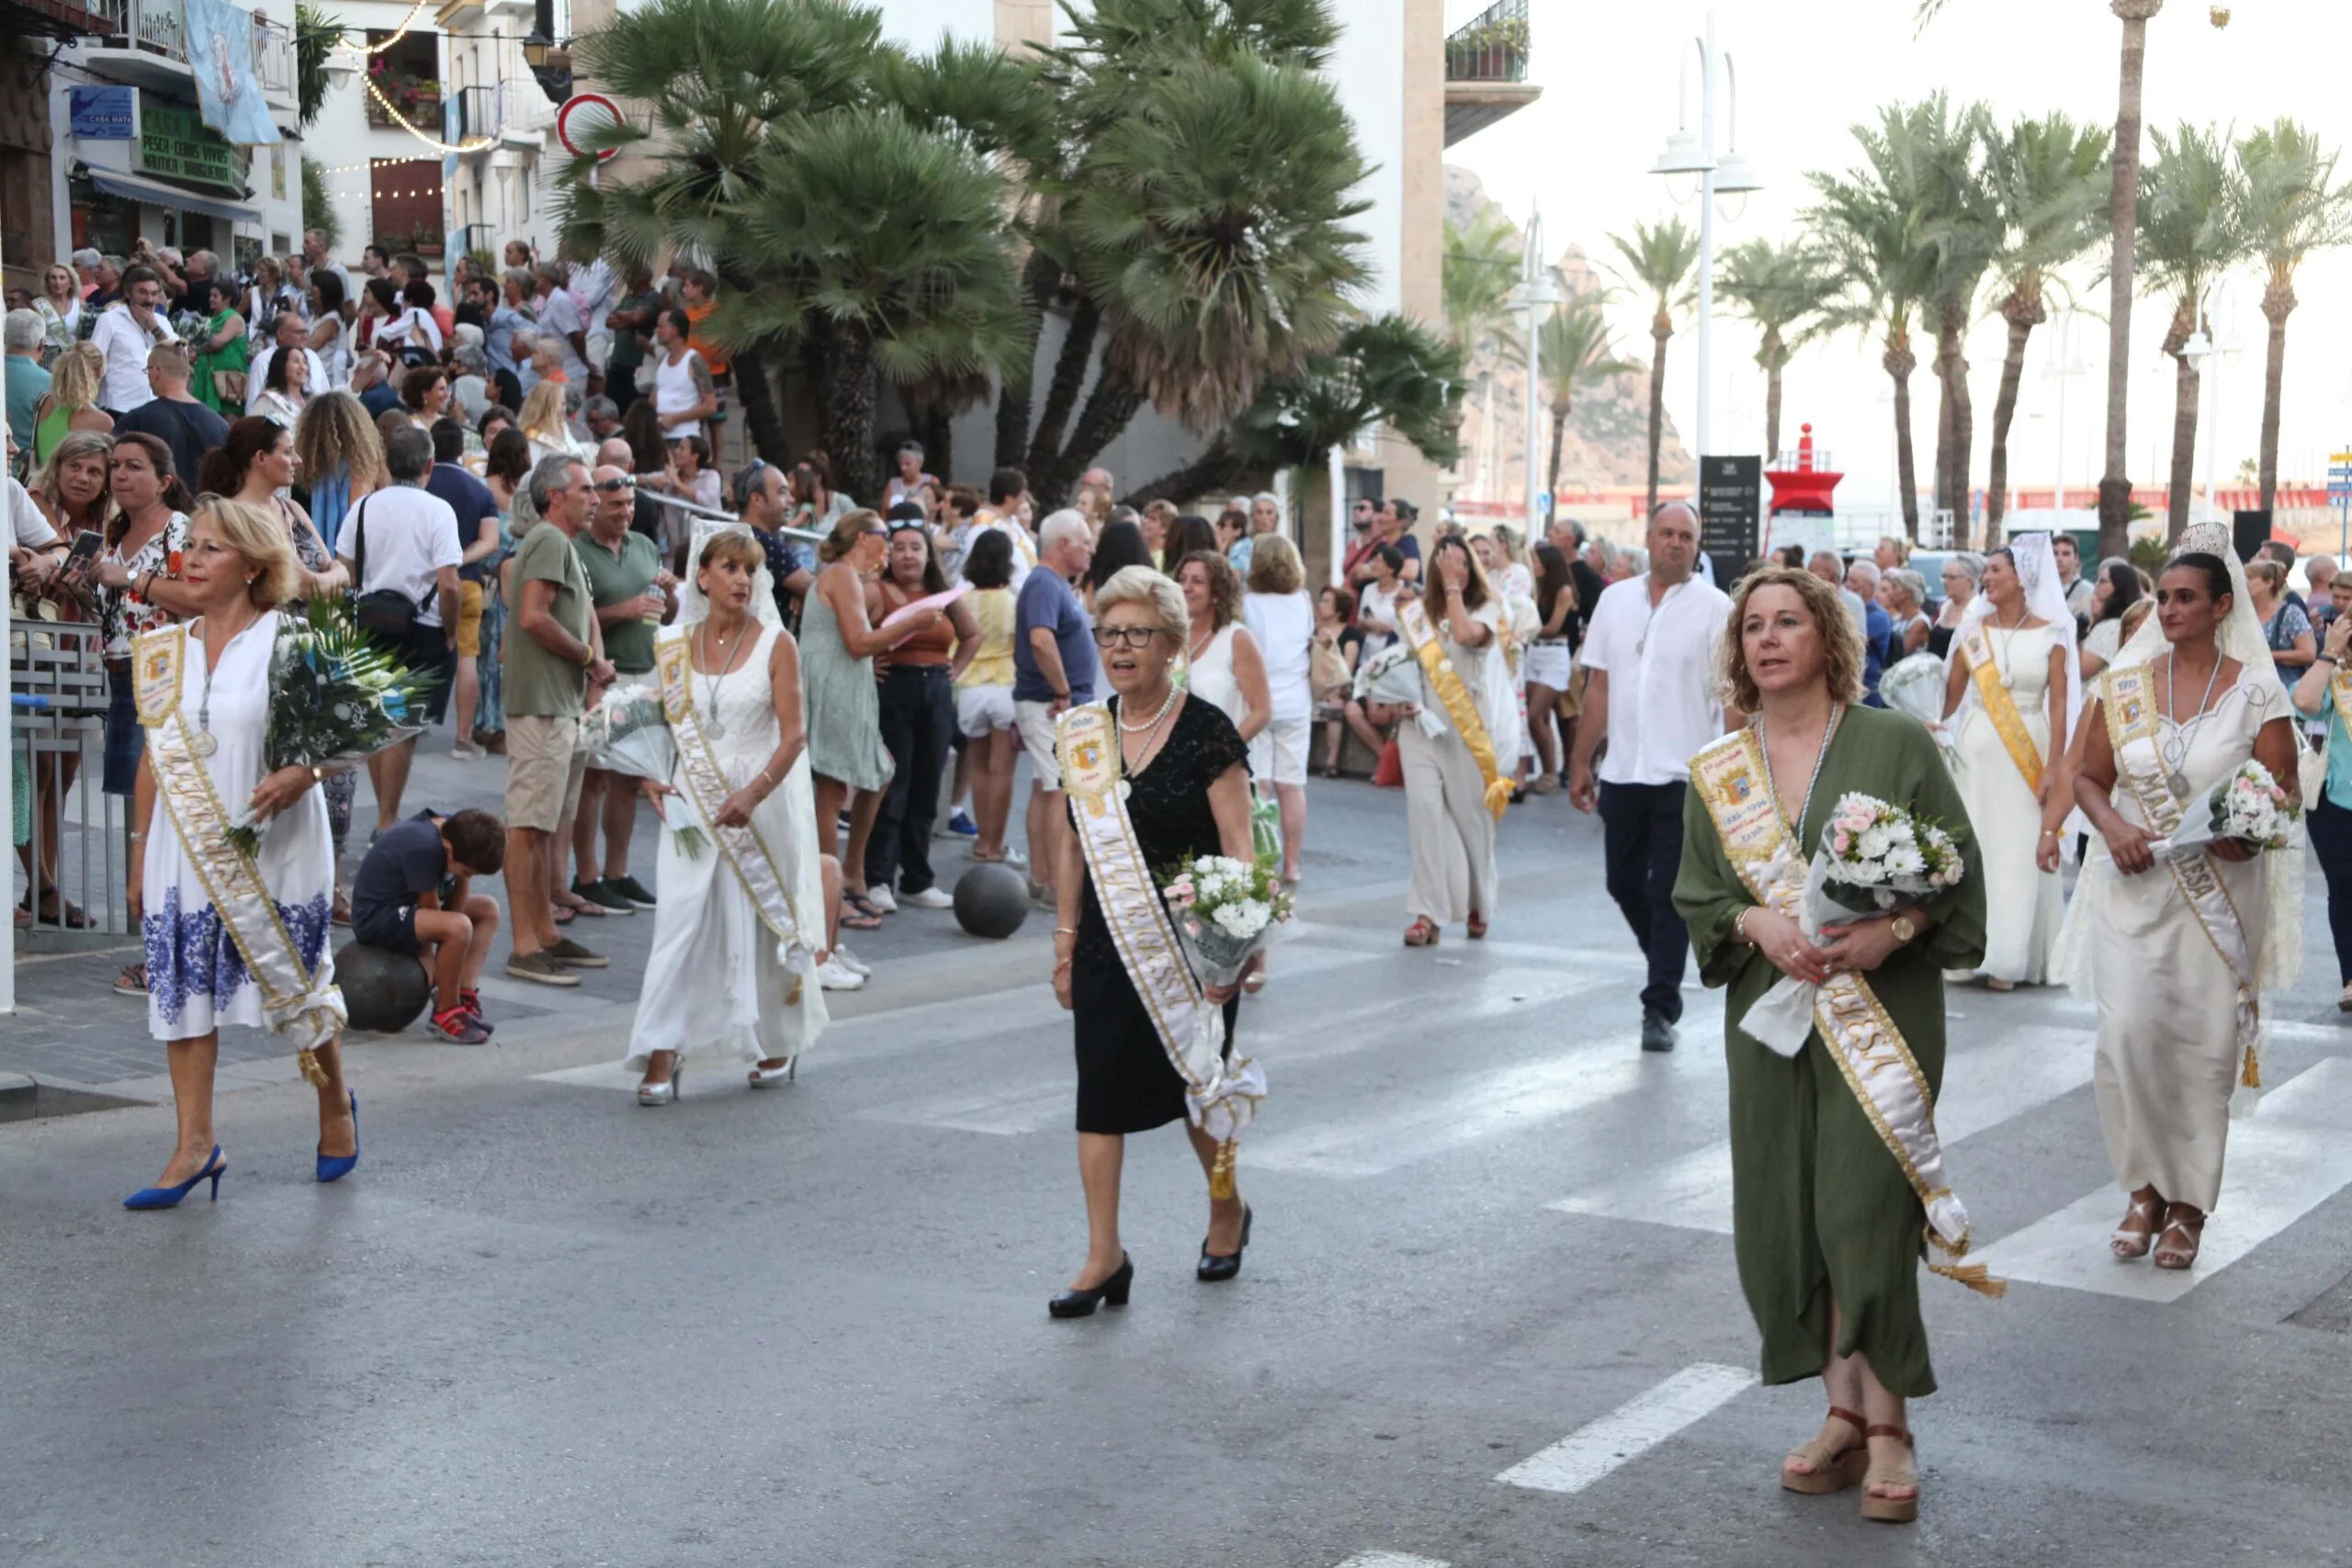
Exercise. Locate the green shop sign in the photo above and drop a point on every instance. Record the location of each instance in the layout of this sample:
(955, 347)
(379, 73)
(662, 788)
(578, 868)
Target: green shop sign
(175, 144)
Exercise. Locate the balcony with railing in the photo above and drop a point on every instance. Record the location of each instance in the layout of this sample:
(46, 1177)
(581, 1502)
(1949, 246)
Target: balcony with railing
(417, 102)
(1485, 69)
(145, 42)
(476, 116)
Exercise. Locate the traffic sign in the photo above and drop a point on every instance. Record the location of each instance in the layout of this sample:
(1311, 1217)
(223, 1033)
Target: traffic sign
(581, 115)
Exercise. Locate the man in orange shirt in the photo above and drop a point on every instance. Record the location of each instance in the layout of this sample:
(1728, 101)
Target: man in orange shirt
(701, 291)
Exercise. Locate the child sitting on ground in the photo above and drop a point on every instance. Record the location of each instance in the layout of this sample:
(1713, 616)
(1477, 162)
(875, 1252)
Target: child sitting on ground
(414, 896)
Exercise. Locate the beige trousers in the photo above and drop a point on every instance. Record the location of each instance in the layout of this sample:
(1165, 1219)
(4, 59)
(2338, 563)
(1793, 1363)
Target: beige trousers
(1452, 833)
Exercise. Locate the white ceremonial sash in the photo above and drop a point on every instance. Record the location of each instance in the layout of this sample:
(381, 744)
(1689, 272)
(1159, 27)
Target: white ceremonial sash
(2133, 721)
(295, 1002)
(1855, 1028)
(704, 782)
(1221, 1097)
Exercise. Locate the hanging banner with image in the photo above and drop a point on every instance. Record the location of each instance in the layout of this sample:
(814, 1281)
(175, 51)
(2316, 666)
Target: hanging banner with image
(220, 51)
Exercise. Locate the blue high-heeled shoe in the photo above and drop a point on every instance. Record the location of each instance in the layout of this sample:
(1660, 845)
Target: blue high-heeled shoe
(334, 1168)
(169, 1197)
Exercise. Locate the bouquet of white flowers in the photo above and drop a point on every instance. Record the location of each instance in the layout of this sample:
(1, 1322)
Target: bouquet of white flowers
(1224, 911)
(1916, 685)
(2247, 806)
(1874, 857)
(628, 732)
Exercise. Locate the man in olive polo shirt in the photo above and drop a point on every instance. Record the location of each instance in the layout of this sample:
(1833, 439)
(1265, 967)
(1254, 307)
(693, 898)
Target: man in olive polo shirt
(631, 593)
(554, 659)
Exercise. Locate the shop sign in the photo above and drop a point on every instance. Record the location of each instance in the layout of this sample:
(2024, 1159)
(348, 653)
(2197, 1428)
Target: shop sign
(177, 145)
(102, 113)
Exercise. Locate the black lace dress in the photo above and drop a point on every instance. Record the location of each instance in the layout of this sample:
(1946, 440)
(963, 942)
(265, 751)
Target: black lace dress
(1124, 1081)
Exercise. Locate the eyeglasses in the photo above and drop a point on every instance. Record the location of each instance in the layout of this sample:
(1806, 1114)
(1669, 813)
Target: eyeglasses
(609, 486)
(1125, 636)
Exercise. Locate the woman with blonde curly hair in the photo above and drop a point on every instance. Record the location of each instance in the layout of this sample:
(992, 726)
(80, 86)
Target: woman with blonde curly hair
(341, 458)
(545, 423)
(71, 404)
(1826, 1224)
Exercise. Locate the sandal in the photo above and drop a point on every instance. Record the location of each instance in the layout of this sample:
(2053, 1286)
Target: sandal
(1422, 933)
(2129, 1244)
(2191, 1223)
(852, 919)
(76, 918)
(1478, 926)
(132, 981)
(1905, 1471)
(1828, 1469)
(561, 914)
(853, 900)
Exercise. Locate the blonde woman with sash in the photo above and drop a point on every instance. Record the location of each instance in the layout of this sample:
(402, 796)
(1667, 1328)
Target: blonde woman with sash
(1457, 780)
(733, 975)
(2177, 947)
(231, 937)
(2012, 669)
(1836, 1174)
(1154, 776)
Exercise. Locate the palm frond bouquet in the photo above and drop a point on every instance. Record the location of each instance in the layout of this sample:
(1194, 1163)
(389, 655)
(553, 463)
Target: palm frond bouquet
(337, 697)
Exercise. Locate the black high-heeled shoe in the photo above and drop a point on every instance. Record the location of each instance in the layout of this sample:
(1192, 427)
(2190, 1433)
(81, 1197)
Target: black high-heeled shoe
(1111, 1291)
(1215, 1269)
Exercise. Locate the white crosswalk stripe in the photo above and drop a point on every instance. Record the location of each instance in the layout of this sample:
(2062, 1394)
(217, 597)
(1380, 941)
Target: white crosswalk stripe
(1596, 1448)
(1983, 1086)
(1392, 1560)
(2284, 1161)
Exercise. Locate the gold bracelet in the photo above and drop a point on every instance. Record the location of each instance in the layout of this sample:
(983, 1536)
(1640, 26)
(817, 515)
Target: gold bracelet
(1740, 925)
(1064, 931)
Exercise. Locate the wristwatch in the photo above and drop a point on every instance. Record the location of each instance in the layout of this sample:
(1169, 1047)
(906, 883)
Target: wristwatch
(1902, 928)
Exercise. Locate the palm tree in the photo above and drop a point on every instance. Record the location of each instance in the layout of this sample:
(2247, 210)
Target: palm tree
(1572, 351)
(2122, 209)
(717, 79)
(1659, 260)
(1481, 269)
(2293, 207)
(1873, 220)
(915, 303)
(1786, 290)
(2045, 176)
(315, 36)
(2192, 229)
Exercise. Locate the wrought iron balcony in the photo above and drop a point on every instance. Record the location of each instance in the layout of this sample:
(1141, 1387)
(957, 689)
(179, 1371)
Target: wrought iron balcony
(477, 118)
(1485, 69)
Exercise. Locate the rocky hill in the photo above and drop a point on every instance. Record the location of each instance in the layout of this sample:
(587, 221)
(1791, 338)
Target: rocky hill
(1608, 424)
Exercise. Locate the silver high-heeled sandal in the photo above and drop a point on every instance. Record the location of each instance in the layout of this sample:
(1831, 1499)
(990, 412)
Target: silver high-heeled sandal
(770, 1077)
(653, 1094)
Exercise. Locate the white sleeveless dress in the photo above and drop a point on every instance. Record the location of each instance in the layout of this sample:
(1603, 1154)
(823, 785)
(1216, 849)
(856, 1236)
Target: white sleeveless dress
(1208, 675)
(714, 991)
(2023, 906)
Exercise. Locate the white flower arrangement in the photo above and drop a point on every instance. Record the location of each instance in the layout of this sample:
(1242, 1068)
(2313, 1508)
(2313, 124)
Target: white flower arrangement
(2245, 806)
(1874, 855)
(1225, 910)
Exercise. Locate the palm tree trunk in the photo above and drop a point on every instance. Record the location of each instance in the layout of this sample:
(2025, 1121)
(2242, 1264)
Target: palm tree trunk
(2023, 310)
(1218, 468)
(1661, 329)
(2278, 303)
(1956, 424)
(1772, 408)
(1559, 439)
(762, 420)
(849, 412)
(1899, 362)
(2183, 449)
(1110, 407)
(2122, 219)
(1040, 276)
(1070, 377)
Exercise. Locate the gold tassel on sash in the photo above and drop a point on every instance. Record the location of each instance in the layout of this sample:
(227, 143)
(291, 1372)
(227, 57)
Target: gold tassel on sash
(1412, 618)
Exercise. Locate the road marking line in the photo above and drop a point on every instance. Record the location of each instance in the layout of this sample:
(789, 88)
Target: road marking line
(1392, 1560)
(1634, 1427)
(1983, 1089)
(1006, 1112)
(2285, 1161)
(1421, 1126)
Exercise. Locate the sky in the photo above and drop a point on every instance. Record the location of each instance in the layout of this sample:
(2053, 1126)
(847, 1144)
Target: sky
(1808, 69)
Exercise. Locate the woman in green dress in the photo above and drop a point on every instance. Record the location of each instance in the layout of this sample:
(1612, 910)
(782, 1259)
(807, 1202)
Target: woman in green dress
(222, 351)
(1826, 1224)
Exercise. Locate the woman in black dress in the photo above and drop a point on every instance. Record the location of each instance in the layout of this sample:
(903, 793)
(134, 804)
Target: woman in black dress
(1186, 772)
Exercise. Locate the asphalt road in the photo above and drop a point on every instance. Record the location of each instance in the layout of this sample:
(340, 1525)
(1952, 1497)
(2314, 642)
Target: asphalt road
(1489, 1316)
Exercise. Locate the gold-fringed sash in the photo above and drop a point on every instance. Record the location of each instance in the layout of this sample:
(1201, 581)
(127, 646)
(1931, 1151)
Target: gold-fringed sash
(2000, 706)
(1854, 1029)
(2134, 726)
(1437, 669)
(301, 1005)
(1220, 1095)
(705, 784)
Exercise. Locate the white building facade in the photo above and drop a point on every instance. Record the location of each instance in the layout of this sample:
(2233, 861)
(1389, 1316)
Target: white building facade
(132, 159)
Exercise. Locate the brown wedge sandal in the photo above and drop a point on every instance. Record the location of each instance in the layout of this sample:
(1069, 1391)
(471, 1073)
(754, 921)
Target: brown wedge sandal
(1828, 1471)
(1903, 1472)
(1422, 933)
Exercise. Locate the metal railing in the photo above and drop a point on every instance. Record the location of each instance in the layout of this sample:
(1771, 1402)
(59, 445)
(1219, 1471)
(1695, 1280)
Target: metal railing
(1797, 460)
(477, 113)
(274, 57)
(74, 846)
(1492, 47)
(158, 26)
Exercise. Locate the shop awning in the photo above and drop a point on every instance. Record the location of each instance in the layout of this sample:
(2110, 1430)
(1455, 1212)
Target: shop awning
(155, 192)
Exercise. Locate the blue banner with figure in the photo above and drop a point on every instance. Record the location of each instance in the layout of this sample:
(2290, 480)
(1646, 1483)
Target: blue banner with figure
(220, 51)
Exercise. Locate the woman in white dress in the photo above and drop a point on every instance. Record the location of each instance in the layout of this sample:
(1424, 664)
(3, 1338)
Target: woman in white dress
(717, 988)
(1281, 619)
(1452, 829)
(237, 568)
(1221, 664)
(2177, 975)
(2008, 765)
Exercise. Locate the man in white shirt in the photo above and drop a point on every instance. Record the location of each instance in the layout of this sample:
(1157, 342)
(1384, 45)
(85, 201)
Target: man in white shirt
(1650, 657)
(403, 540)
(127, 330)
(1008, 500)
(558, 316)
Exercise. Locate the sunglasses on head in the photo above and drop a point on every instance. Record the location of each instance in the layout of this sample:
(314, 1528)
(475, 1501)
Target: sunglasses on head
(608, 486)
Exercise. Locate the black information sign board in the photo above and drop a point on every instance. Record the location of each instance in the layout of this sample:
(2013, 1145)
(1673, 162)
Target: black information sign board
(1731, 495)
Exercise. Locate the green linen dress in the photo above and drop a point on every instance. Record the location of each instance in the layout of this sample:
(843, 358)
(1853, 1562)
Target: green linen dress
(233, 357)
(1820, 1208)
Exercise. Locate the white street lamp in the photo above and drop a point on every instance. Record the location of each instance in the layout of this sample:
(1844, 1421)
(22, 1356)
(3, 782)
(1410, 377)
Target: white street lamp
(1729, 176)
(1537, 295)
(340, 65)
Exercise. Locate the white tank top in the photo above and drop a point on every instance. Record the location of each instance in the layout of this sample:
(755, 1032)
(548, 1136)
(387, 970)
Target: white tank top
(674, 391)
(1210, 675)
(1283, 626)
